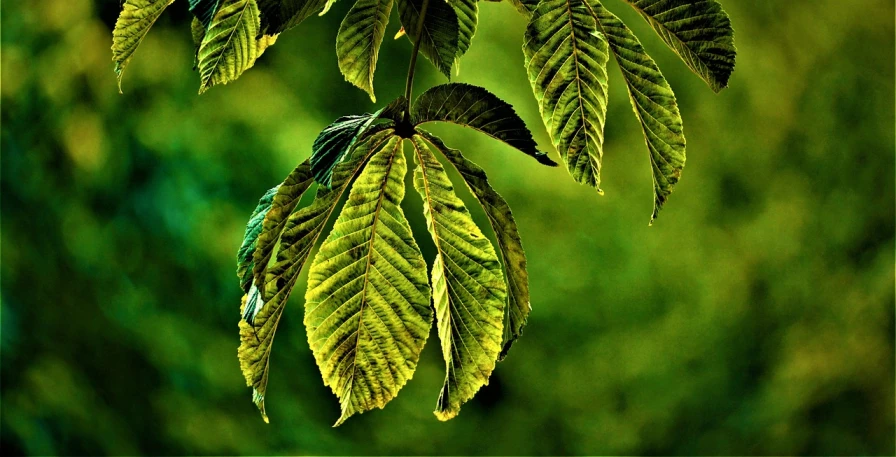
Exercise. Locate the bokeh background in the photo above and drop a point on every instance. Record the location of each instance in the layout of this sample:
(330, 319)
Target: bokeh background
(755, 317)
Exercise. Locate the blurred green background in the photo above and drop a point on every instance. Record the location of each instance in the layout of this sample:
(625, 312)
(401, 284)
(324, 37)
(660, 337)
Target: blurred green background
(755, 317)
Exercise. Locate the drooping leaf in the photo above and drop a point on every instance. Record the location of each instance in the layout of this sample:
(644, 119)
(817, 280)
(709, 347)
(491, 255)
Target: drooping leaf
(367, 307)
(441, 30)
(280, 15)
(335, 141)
(359, 39)
(467, 19)
(284, 202)
(653, 101)
(477, 108)
(229, 46)
(516, 313)
(566, 59)
(204, 10)
(197, 30)
(469, 292)
(699, 31)
(135, 20)
(298, 238)
(244, 257)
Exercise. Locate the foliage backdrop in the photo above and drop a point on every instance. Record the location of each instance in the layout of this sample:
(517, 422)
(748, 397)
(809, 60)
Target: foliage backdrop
(756, 316)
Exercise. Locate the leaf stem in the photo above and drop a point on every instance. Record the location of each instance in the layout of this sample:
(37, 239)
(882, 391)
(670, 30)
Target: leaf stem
(410, 81)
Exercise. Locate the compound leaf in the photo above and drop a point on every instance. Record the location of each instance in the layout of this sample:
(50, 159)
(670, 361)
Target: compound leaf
(699, 31)
(229, 46)
(367, 306)
(477, 108)
(469, 292)
(508, 237)
(261, 313)
(359, 39)
(653, 101)
(566, 59)
(135, 20)
(441, 30)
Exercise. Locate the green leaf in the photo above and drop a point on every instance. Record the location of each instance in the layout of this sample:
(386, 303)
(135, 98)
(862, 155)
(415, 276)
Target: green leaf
(229, 47)
(336, 141)
(280, 15)
(477, 108)
(204, 10)
(135, 20)
(367, 306)
(653, 101)
(508, 237)
(467, 18)
(699, 31)
(525, 6)
(359, 39)
(197, 30)
(298, 238)
(566, 59)
(244, 257)
(441, 33)
(469, 293)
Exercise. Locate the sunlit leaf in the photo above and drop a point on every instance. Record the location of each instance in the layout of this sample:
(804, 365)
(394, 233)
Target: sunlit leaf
(367, 308)
(566, 59)
(359, 39)
(441, 33)
(699, 31)
(653, 101)
(135, 20)
(477, 108)
(303, 227)
(507, 235)
(229, 46)
(468, 286)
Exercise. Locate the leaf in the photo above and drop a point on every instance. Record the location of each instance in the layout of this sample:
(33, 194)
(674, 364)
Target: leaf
(467, 18)
(336, 140)
(244, 257)
(135, 20)
(229, 47)
(298, 238)
(477, 108)
(440, 36)
(699, 31)
(197, 30)
(524, 6)
(367, 306)
(359, 39)
(469, 293)
(284, 202)
(204, 10)
(508, 237)
(263, 43)
(279, 15)
(566, 59)
(653, 101)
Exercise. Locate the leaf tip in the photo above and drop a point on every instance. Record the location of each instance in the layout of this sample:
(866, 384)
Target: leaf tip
(258, 399)
(445, 415)
(544, 159)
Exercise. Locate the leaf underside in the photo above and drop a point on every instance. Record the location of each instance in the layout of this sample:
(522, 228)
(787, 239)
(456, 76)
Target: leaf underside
(359, 39)
(566, 60)
(468, 287)
(229, 46)
(334, 142)
(510, 246)
(367, 306)
(135, 20)
(467, 19)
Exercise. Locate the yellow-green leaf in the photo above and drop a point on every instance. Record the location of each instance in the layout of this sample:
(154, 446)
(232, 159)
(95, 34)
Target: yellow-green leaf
(229, 46)
(440, 36)
(359, 39)
(699, 31)
(516, 313)
(653, 102)
(135, 20)
(469, 292)
(303, 227)
(566, 59)
(367, 307)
